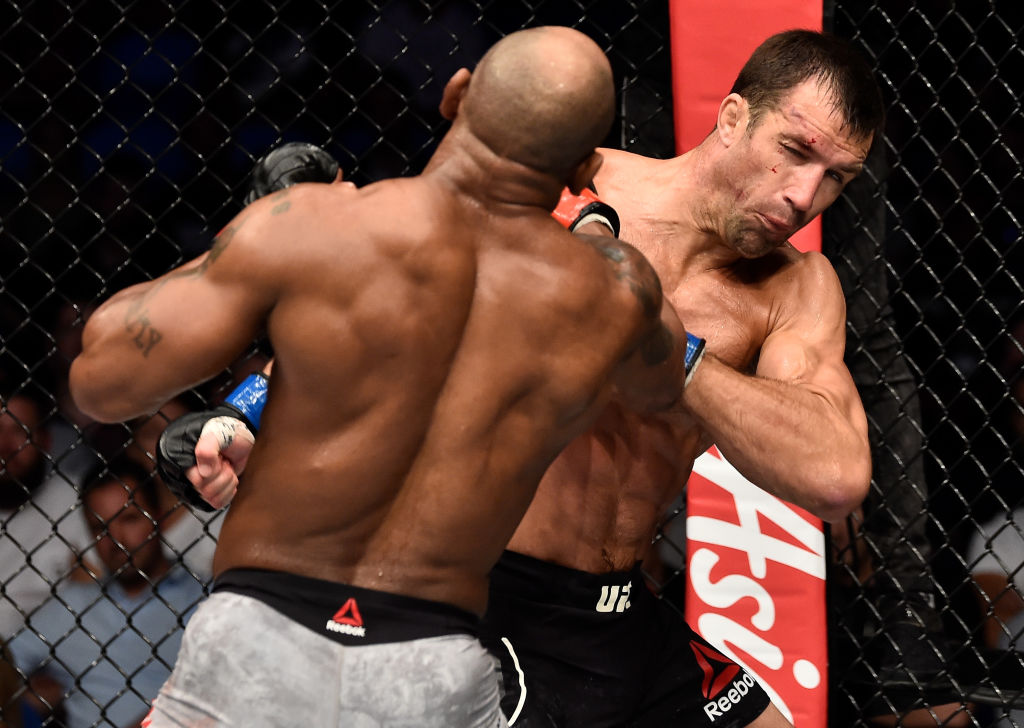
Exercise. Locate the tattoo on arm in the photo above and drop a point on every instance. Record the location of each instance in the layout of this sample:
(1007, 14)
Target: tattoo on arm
(220, 244)
(136, 319)
(633, 268)
(146, 337)
(282, 205)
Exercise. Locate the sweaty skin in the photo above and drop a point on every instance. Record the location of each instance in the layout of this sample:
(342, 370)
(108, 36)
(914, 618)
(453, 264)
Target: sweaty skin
(719, 243)
(772, 392)
(798, 428)
(429, 364)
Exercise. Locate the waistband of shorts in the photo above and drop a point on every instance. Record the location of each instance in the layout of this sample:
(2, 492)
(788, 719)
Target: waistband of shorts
(348, 614)
(524, 576)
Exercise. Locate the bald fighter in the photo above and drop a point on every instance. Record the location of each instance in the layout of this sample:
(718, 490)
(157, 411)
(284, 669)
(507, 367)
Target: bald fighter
(429, 367)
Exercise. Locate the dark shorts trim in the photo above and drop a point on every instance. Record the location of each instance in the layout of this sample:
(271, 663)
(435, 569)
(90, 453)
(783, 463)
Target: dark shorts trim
(348, 614)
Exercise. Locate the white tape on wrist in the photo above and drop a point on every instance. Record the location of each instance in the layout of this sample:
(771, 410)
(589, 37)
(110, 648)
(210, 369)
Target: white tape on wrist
(226, 429)
(593, 217)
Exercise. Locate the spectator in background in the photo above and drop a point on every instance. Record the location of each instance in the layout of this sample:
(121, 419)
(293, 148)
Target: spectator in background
(42, 529)
(10, 684)
(75, 436)
(188, 535)
(109, 644)
(995, 554)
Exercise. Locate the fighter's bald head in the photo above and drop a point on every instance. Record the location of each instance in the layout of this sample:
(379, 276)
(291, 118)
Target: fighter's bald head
(543, 97)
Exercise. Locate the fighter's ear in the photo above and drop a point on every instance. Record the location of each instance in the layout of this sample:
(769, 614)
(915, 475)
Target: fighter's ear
(584, 173)
(454, 90)
(733, 115)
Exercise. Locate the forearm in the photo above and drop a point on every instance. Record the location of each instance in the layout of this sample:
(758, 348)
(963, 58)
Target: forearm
(786, 439)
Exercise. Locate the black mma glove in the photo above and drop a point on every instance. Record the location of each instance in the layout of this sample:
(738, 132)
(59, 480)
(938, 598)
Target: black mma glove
(290, 164)
(176, 448)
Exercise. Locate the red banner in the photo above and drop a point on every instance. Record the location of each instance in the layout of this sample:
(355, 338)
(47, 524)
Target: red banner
(756, 585)
(756, 565)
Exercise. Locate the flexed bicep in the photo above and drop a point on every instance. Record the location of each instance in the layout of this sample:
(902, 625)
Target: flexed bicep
(152, 340)
(806, 350)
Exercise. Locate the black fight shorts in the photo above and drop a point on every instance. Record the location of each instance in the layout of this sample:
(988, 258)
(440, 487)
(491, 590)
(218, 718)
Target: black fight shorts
(581, 650)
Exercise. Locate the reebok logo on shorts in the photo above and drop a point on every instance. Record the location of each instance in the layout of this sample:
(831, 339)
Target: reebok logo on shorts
(347, 620)
(720, 673)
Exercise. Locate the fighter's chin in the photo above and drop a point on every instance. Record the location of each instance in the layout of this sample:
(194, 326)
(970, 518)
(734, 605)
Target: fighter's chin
(757, 246)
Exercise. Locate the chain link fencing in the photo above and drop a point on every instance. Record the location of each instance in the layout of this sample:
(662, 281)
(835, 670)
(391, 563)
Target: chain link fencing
(127, 132)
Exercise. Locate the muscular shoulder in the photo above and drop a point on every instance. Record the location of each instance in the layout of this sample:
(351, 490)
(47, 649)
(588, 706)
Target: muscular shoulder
(630, 272)
(621, 171)
(808, 291)
(308, 220)
(815, 275)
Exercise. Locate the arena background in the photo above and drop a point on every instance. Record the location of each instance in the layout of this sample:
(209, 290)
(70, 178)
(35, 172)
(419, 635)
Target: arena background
(127, 131)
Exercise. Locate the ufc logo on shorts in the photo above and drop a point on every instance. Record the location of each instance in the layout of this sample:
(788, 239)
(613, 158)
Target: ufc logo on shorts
(614, 598)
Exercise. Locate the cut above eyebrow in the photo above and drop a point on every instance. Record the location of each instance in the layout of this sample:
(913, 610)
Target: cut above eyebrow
(854, 169)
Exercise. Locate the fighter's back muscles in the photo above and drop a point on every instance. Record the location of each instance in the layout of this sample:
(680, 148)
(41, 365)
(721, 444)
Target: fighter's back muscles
(303, 502)
(563, 334)
(646, 378)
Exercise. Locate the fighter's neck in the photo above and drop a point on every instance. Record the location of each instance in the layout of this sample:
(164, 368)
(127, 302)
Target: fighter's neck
(667, 208)
(475, 171)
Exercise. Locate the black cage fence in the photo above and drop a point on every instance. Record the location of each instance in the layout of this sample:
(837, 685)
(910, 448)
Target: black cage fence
(127, 133)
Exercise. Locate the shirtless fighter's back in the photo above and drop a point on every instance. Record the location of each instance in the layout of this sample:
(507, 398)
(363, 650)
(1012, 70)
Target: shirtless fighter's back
(429, 366)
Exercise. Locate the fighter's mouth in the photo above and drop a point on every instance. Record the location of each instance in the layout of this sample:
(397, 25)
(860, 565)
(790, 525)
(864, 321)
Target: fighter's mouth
(775, 225)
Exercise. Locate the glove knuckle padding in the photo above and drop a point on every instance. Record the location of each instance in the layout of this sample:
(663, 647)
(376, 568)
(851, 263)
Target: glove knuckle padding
(290, 164)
